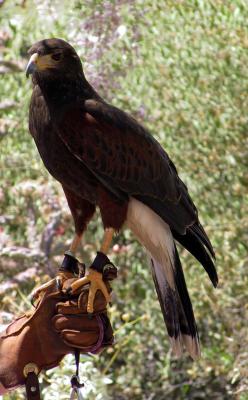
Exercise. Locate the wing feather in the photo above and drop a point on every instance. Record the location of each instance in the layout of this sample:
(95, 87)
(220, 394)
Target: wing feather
(128, 161)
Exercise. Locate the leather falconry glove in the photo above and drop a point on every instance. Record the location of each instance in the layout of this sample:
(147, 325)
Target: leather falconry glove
(57, 326)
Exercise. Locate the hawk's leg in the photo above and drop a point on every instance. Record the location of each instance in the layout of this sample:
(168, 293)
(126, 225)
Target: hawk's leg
(94, 276)
(70, 262)
(107, 240)
(82, 211)
(75, 243)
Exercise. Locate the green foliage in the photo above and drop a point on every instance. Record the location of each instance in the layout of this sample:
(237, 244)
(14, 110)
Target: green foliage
(181, 68)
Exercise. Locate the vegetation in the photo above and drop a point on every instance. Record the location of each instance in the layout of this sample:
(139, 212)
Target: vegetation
(180, 67)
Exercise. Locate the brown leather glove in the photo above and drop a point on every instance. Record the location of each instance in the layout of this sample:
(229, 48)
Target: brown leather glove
(58, 325)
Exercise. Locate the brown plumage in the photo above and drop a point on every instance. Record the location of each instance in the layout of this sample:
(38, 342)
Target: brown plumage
(103, 157)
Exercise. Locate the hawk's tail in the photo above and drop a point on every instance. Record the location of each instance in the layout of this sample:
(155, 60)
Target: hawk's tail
(168, 276)
(176, 308)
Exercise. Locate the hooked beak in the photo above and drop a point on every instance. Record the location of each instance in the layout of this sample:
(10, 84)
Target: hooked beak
(32, 64)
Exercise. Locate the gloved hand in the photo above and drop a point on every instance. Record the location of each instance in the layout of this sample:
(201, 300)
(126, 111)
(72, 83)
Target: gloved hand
(59, 324)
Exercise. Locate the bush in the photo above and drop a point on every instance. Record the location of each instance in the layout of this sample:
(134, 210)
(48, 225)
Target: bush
(180, 68)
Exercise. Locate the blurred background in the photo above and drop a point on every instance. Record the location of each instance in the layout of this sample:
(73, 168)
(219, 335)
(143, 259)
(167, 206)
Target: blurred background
(179, 67)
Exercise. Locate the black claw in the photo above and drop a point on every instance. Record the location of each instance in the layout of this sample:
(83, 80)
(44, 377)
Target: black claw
(90, 316)
(58, 284)
(32, 301)
(68, 291)
(82, 269)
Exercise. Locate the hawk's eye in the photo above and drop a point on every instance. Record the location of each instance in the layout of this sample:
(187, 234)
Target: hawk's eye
(56, 56)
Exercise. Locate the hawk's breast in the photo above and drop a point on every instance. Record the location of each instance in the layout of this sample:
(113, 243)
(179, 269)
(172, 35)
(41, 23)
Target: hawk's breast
(58, 160)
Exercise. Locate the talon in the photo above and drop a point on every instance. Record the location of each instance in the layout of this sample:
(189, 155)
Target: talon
(33, 299)
(35, 295)
(54, 284)
(59, 284)
(68, 291)
(96, 283)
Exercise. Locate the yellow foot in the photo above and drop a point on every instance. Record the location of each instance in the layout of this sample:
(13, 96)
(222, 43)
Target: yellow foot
(96, 283)
(54, 284)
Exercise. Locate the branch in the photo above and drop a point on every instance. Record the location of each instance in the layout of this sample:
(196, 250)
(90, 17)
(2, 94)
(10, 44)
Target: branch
(48, 235)
(19, 252)
(7, 104)
(10, 66)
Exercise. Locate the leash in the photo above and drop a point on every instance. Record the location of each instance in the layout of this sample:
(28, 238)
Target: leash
(75, 382)
(31, 371)
(32, 386)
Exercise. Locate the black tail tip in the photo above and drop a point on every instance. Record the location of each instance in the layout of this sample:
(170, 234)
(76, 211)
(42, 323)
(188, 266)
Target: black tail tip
(215, 280)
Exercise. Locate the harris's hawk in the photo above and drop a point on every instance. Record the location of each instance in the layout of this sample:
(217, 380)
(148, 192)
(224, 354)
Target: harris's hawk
(103, 157)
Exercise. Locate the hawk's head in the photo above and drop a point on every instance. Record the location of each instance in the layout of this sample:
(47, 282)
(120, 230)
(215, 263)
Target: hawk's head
(51, 58)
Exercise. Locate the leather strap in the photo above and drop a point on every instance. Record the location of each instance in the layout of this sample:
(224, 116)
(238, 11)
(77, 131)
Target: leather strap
(69, 264)
(32, 387)
(100, 261)
(75, 383)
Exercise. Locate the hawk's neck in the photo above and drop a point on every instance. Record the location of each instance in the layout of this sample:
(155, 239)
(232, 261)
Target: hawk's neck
(62, 93)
